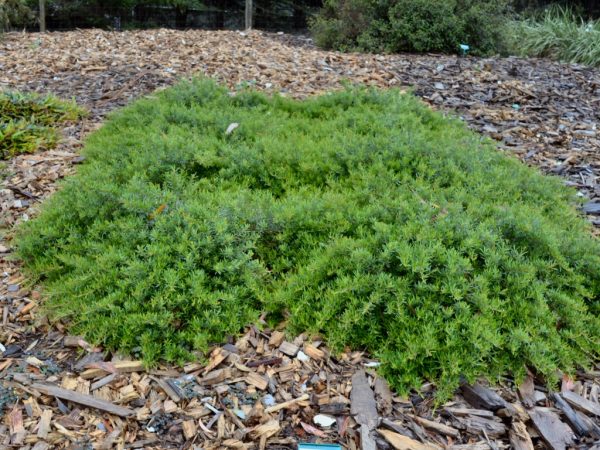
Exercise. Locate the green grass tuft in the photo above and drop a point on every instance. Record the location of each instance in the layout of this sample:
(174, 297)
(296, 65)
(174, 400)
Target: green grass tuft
(360, 215)
(27, 122)
(558, 34)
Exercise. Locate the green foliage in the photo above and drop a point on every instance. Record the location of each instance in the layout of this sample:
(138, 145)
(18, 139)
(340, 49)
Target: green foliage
(27, 121)
(44, 110)
(361, 215)
(411, 25)
(21, 136)
(559, 33)
(14, 13)
(340, 24)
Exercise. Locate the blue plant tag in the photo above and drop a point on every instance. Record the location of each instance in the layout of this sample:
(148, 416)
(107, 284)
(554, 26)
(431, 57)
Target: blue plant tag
(308, 446)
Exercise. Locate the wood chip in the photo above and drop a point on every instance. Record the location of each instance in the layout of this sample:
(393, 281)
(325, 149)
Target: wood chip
(482, 397)
(17, 431)
(556, 434)
(314, 352)
(288, 404)
(44, 424)
(82, 399)
(189, 428)
(519, 437)
(216, 376)
(581, 403)
(287, 348)
(363, 406)
(259, 381)
(400, 442)
(436, 426)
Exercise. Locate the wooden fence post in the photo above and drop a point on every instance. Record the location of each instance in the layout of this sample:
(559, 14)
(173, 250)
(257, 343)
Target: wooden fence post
(43, 16)
(248, 14)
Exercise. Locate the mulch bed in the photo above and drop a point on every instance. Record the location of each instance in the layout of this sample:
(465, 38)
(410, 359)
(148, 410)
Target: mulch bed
(262, 391)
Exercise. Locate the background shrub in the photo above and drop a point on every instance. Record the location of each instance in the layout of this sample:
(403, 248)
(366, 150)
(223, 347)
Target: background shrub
(362, 216)
(411, 25)
(14, 13)
(417, 26)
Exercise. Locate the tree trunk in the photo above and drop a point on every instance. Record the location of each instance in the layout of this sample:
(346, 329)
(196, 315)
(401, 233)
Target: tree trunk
(248, 14)
(43, 16)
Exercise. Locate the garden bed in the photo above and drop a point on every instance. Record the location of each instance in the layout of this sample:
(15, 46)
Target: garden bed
(105, 79)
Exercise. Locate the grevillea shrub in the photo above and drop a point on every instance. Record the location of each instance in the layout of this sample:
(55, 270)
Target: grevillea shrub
(360, 215)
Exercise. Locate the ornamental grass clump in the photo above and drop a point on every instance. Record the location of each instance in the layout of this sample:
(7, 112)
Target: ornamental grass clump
(558, 33)
(361, 216)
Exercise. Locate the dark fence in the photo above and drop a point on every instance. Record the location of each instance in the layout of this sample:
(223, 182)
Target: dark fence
(285, 16)
(271, 15)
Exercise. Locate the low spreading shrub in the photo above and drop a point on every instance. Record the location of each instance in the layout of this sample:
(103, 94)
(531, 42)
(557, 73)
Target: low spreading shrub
(361, 216)
(411, 25)
(27, 122)
(21, 136)
(558, 34)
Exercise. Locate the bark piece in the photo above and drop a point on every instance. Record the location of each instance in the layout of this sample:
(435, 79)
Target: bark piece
(314, 352)
(266, 429)
(556, 434)
(257, 380)
(265, 362)
(362, 401)
(577, 424)
(436, 426)
(17, 430)
(527, 391)
(469, 412)
(189, 429)
(168, 389)
(477, 425)
(216, 376)
(384, 396)
(366, 440)
(288, 348)
(86, 400)
(519, 437)
(581, 403)
(400, 442)
(276, 338)
(398, 428)
(364, 408)
(44, 424)
(284, 405)
(482, 397)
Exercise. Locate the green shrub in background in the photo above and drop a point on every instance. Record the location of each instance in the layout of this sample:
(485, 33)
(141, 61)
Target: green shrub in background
(27, 121)
(558, 33)
(361, 215)
(14, 13)
(411, 25)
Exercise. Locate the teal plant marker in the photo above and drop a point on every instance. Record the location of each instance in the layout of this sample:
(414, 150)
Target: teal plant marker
(465, 48)
(308, 446)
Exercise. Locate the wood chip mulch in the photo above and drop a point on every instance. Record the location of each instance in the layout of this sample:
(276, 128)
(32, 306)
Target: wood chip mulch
(266, 390)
